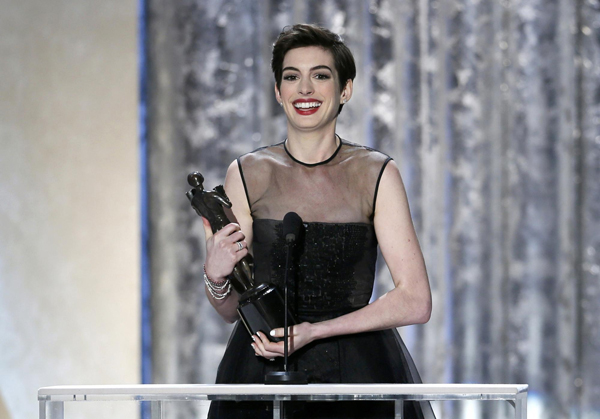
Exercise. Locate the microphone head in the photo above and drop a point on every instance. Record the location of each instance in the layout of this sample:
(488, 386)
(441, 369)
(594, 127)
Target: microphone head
(292, 223)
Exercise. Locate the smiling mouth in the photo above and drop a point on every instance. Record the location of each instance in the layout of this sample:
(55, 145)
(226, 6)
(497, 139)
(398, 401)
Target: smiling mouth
(307, 105)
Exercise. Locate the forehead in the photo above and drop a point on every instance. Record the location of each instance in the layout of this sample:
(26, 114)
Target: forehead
(308, 57)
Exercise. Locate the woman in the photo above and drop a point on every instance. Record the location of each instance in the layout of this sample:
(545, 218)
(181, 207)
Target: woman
(350, 198)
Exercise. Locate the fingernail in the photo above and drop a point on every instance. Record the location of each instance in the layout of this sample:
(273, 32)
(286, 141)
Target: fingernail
(272, 333)
(253, 338)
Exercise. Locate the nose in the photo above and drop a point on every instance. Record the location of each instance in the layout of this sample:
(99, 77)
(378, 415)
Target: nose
(305, 86)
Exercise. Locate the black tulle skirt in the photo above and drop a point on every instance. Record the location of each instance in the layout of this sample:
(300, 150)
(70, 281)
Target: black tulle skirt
(363, 358)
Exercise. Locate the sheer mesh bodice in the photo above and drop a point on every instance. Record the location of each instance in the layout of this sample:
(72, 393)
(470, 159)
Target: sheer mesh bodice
(342, 189)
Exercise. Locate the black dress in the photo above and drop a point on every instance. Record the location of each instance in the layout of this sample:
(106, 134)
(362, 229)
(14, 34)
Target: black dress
(334, 276)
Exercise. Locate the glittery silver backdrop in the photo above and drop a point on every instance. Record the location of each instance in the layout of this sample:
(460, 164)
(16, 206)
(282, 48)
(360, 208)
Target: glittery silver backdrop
(492, 111)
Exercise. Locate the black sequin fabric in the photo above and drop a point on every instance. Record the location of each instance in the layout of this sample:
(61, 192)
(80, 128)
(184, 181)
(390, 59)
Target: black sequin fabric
(334, 265)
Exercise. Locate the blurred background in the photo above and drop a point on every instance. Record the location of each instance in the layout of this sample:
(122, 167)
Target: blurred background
(490, 108)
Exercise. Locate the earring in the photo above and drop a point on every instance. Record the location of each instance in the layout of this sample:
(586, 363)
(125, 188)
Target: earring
(281, 104)
(344, 102)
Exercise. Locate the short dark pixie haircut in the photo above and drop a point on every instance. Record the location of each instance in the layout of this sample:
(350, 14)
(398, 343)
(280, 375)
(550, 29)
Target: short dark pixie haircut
(308, 35)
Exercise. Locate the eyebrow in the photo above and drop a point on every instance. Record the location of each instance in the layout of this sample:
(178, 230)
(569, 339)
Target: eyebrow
(318, 67)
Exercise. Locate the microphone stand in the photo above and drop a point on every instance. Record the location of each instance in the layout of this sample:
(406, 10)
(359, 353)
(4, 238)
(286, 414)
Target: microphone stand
(285, 376)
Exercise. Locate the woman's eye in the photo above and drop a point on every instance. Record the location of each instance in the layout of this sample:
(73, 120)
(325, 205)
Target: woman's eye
(322, 76)
(290, 77)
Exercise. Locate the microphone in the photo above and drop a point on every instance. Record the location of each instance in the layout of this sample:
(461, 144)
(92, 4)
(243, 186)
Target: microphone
(292, 225)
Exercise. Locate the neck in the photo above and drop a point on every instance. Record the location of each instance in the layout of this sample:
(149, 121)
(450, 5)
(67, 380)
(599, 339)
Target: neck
(312, 147)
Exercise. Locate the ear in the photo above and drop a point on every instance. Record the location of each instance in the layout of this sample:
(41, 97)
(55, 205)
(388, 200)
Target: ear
(277, 94)
(346, 92)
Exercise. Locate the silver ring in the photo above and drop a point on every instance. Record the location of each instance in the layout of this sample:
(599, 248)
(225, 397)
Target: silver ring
(240, 246)
(271, 359)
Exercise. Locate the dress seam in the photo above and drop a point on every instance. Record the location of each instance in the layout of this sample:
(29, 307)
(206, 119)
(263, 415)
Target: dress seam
(377, 184)
(239, 162)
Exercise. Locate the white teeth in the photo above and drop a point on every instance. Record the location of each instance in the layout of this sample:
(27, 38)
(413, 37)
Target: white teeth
(306, 105)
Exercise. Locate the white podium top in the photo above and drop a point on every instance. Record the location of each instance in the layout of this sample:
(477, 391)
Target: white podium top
(153, 392)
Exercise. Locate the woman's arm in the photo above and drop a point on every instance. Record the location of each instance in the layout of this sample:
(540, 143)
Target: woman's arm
(222, 252)
(410, 300)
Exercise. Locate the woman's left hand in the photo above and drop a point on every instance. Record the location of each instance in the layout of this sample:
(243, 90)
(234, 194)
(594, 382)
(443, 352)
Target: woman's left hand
(299, 335)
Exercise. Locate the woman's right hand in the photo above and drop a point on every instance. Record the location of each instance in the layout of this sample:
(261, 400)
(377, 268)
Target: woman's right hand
(223, 250)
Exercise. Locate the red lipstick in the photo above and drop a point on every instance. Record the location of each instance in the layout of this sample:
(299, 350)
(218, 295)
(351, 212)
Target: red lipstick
(307, 111)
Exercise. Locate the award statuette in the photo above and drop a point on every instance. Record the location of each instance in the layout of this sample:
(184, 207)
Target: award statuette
(261, 306)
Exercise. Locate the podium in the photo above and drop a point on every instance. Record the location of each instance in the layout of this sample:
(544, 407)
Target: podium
(52, 399)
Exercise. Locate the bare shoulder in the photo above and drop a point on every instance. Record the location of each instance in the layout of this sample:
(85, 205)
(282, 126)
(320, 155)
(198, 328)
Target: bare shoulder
(391, 195)
(234, 187)
(233, 178)
(394, 228)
